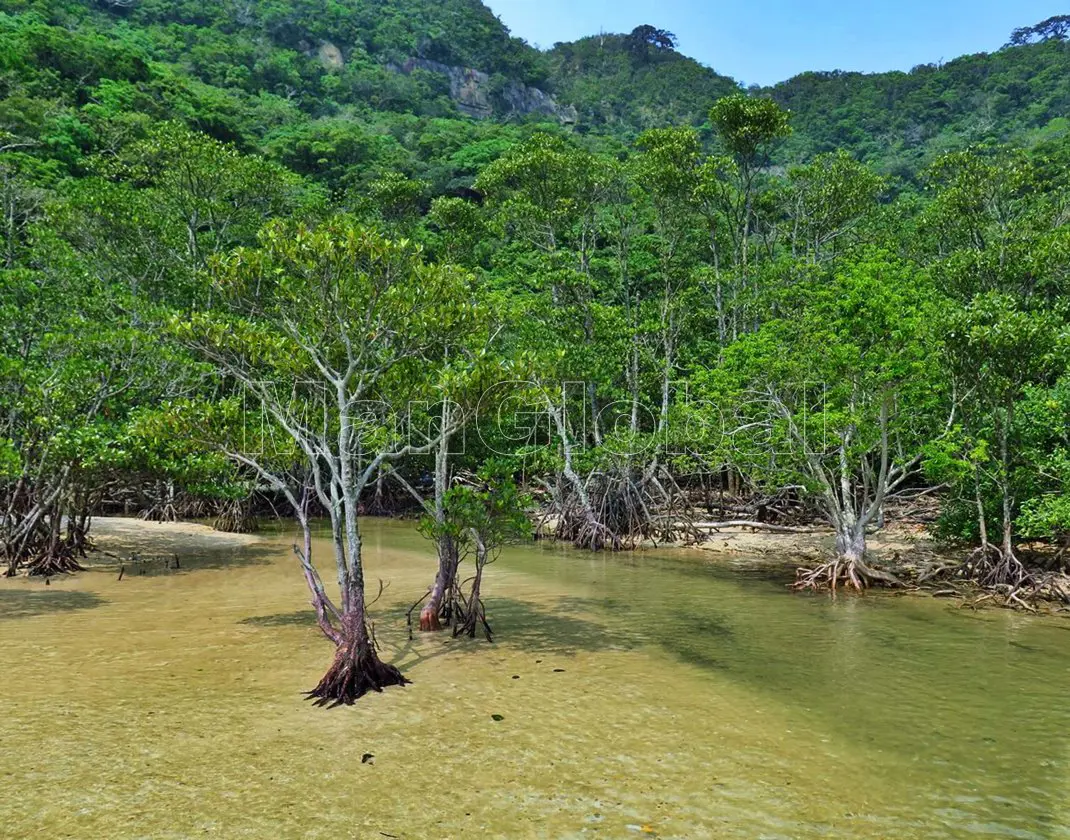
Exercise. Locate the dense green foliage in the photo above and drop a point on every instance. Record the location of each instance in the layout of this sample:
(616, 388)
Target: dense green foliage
(188, 189)
(624, 90)
(899, 121)
(320, 86)
(79, 79)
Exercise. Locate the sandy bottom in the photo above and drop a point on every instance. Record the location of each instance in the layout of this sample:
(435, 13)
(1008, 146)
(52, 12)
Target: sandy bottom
(168, 705)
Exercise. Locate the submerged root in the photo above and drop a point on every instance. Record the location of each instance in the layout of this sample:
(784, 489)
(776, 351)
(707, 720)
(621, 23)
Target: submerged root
(429, 620)
(472, 613)
(356, 670)
(583, 532)
(438, 610)
(844, 573)
(475, 619)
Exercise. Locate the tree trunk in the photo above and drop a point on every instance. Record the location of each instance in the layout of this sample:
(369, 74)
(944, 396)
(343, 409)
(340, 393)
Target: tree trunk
(476, 616)
(851, 542)
(439, 609)
(982, 525)
(669, 348)
(1005, 486)
(590, 532)
(633, 381)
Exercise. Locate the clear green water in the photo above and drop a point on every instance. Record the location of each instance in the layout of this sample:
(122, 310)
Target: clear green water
(669, 695)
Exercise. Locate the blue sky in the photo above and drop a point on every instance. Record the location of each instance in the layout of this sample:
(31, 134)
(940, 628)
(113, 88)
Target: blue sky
(767, 41)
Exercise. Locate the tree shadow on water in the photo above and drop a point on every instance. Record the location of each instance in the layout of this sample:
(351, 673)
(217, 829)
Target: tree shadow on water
(558, 627)
(156, 564)
(23, 603)
(298, 618)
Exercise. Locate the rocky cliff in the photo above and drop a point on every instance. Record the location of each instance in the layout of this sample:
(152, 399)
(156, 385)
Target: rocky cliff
(474, 93)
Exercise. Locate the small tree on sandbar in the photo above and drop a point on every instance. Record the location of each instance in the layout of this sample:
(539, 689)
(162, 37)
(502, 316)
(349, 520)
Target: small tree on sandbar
(333, 332)
(477, 518)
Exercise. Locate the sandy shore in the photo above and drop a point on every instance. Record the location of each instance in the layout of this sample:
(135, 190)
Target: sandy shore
(119, 536)
(908, 542)
(122, 536)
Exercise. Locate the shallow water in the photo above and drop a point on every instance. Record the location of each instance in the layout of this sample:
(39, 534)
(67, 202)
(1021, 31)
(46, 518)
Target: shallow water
(648, 694)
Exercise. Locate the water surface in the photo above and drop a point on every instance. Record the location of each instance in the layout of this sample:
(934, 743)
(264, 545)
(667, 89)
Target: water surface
(653, 694)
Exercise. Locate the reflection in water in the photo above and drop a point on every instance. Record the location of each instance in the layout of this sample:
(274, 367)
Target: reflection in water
(623, 692)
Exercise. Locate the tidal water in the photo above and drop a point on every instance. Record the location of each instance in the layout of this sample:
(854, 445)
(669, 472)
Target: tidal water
(657, 694)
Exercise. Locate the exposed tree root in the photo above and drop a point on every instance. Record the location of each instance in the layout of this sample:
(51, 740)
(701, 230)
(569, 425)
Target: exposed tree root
(992, 567)
(235, 517)
(622, 504)
(750, 523)
(40, 546)
(356, 670)
(162, 512)
(991, 575)
(845, 573)
(60, 561)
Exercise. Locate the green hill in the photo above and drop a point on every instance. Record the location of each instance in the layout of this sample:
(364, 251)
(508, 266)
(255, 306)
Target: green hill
(342, 90)
(899, 120)
(618, 87)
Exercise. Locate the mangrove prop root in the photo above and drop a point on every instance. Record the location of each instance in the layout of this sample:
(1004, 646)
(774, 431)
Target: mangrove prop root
(841, 573)
(1007, 582)
(39, 546)
(474, 619)
(356, 670)
(622, 504)
(993, 567)
(164, 512)
(235, 517)
(53, 564)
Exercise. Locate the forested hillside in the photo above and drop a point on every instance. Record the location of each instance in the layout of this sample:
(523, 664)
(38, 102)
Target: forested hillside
(626, 83)
(896, 121)
(277, 255)
(321, 88)
(899, 121)
(326, 87)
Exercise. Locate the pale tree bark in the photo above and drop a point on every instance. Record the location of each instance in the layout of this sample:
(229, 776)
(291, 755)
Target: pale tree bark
(339, 472)
(439, 609)
(852, 493)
